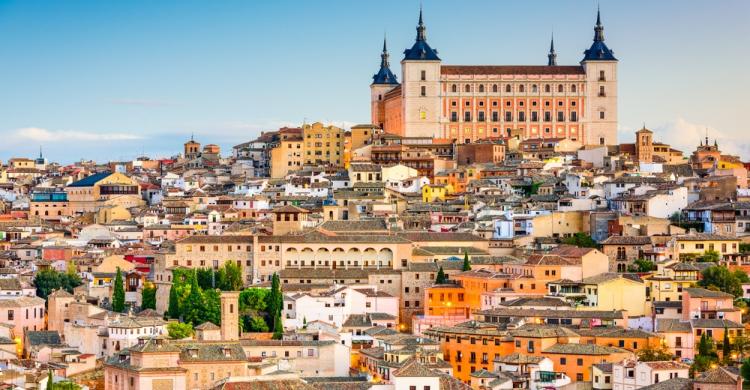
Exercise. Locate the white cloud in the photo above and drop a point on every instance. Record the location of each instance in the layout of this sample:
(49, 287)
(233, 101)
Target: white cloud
(44, 135)
(685, 136)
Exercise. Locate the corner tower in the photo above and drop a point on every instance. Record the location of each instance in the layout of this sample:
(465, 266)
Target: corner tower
(600, 65)
(382, 82)
(420, 88)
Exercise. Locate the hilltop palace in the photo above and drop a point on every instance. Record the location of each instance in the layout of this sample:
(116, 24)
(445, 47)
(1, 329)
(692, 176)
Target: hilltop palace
(472, 102)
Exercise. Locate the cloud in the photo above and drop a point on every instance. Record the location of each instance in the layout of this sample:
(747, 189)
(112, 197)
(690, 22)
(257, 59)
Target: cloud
(685, 136)
(142, 102)
(44, 135)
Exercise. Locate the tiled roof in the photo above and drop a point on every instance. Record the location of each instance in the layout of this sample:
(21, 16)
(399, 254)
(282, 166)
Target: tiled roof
(583, 349)
(696, 292)
(511, 70)
(43, 337)
(719, 375)
(627, 240)
(672, 384)
(90, 180)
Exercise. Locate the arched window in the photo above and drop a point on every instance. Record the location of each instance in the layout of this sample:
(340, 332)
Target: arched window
(481, 88)
(573, 88)
(521, 88)
(559, 87)
(547, 88)
(534, 88)
(467, 88)
(507, 88)
(454, 88)
(621, 253)
(494, 88)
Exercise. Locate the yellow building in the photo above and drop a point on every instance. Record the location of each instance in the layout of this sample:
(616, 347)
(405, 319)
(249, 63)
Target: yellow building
(108, 214)
(436, 192)
(323, 145)
(103, 189)
(670, 280)
(18, 163)
(695, 245)
(287, 156)
(614, 291)
(558, 224)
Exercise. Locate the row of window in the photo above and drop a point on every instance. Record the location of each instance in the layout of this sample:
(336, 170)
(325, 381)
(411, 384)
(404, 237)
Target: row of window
(534, 117)
(12, 314)
(468, 88)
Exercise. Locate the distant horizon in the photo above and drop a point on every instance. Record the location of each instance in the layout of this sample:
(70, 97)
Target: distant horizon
(112, 81)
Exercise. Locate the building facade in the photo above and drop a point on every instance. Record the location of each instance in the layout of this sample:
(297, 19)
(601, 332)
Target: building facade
(468, 103)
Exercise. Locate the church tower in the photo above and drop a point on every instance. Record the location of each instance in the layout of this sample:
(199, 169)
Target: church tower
(230, 317)
(552, 56)
(192, 149)
(600, 66)
(644, 145)
(420, 88)
(382, 82)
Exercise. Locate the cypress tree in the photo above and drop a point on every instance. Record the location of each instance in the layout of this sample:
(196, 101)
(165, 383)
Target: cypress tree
(174, 303)
(726, 348)
(467, 265)
(118, 296)
(441, 278)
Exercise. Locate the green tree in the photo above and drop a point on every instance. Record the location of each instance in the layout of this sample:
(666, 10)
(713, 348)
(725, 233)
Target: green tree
(724, 280)
(726, 347)
(148, 296)
(441, 278)
(193, 307)
(467, 265)
(49, 280)
(744, 247)
(711, 256)
(118, 296)
(741, 344)
(212, 303)
(745, 369)
(254, 324)
(254, 298)
(230, 277)
(179, 330)
(206, 278)
(642, 265)
(275, 302)
(654, 354)
(174, 302)
(278, 328)
(581, 240)
(50, 380)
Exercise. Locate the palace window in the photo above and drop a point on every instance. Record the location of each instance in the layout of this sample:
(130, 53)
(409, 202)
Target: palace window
(424, 91)
(480, 116)
(534, 88)
(547, 88)
(560, 88)
(481, 88)
(601, 91)
(423, 75)
(573, 88)
(467, 88)
(521, 116)
(494, 88)
(521, 88)
(454, 88)
(467, 116)
(508, 116)
(507, 88)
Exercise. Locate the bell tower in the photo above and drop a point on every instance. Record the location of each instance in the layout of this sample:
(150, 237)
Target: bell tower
(230, 326)
(600, 65)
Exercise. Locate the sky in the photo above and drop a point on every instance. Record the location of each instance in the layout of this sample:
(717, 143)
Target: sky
(111, 80)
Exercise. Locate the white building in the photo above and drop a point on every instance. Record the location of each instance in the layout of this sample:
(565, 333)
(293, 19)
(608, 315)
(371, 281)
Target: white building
(335, 306)
(632, 375)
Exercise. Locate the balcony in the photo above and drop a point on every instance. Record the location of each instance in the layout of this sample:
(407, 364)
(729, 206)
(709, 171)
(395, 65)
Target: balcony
(551, 379)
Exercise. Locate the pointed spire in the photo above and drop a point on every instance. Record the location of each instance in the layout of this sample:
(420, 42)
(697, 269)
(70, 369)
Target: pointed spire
(384, 63)
(552, 56)
(40, 152)
(421, 29)
(599, 28)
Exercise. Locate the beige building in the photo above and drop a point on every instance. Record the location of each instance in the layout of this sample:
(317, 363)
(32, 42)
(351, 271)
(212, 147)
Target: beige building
(323, 145)
(103, 189)
(209, 252)
(288, 155)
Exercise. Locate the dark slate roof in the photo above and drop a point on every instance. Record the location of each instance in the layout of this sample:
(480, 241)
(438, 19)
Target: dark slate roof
(384, 75)
(598, 50)
(43, 337)
(90, 180)
(421, 51)
(672, 384)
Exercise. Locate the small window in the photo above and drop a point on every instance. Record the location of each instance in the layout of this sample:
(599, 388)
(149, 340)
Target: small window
(424, 91)
(423, 75)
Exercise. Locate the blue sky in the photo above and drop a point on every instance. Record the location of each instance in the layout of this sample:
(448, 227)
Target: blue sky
(109, 80)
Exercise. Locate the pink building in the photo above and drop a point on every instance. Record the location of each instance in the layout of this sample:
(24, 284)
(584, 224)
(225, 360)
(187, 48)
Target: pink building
(23, 313)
